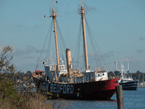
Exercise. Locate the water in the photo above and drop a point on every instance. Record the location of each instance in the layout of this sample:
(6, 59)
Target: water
(132, 100)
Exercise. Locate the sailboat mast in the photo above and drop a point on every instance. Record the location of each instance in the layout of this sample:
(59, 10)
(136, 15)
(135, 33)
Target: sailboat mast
(84, 37)
(56, 43)
(128, 65)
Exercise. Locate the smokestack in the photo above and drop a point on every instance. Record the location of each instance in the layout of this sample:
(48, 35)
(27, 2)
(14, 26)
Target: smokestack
(68, 59)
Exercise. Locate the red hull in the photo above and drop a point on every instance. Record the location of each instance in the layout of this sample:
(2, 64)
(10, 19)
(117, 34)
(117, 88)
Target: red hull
(91, 90)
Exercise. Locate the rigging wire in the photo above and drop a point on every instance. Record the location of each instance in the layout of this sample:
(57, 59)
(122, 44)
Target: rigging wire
(49, 43)
(62, 44)
(91, 41)
(77, 51)
(95, 42)
(43, 47)
(78, 59)
(68, 13)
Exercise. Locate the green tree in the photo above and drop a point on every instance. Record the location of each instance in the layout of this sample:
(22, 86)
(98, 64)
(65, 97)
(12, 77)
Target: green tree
(5, 66)
(6, 72)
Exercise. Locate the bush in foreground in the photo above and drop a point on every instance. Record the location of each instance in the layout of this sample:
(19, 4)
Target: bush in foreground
(10, 98)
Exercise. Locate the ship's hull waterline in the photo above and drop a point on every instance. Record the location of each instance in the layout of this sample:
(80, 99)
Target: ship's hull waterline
(99, 90)
(130, 85)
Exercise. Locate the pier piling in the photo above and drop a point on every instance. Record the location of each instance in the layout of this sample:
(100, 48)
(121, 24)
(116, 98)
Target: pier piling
(119, 96)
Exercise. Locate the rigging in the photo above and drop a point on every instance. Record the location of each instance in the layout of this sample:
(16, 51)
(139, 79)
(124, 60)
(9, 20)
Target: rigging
(94, 45)
(53, 12)
(43, 47)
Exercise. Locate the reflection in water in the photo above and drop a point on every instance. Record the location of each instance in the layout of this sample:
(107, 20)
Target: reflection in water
(132, 100)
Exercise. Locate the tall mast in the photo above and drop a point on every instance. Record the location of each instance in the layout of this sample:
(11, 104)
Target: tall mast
(84, 37)
(55, 33)
(83, 12)
(53, 13)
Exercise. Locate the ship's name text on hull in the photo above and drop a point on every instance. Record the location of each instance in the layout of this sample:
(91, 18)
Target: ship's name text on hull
(60, 88)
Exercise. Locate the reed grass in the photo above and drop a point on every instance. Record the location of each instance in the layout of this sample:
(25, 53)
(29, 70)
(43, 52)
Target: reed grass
(25, 101)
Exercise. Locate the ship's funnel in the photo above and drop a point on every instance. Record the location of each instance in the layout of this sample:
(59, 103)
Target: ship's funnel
(68, 59)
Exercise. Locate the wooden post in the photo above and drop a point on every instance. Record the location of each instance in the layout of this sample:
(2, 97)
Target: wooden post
(119, 96)
(143, 79)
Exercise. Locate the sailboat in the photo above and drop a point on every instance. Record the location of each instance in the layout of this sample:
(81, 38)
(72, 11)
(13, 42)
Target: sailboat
(72, 83)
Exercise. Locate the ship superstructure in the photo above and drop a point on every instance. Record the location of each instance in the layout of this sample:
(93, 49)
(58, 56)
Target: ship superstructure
(125, 80)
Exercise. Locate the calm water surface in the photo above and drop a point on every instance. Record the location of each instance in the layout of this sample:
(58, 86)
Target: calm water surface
(132, 100)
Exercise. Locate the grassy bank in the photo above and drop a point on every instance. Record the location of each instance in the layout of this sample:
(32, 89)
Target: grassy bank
(25, 101)
(11, 99)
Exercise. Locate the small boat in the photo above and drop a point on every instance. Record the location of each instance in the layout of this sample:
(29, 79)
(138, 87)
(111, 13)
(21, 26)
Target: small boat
(126, 81)
(72, 83)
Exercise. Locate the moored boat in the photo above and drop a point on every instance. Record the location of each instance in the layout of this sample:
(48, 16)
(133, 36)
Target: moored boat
(125, 80)
(72, 83)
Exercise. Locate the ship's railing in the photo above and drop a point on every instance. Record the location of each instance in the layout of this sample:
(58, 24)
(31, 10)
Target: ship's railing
(95, 69)
(101, 68)
(53, 67)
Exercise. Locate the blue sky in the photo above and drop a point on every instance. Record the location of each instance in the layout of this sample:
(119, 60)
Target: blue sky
(118, 27)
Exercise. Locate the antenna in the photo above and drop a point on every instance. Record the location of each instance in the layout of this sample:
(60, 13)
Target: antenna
(82, 3)
(52, 8)
(128, 64)
(115, 65)
(128, 67)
